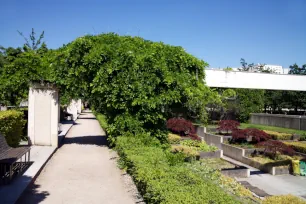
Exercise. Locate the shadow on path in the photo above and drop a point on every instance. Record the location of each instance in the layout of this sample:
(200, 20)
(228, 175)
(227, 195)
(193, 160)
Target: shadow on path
(257, 173)
(36, 195)
(87, 118)
(98, 140)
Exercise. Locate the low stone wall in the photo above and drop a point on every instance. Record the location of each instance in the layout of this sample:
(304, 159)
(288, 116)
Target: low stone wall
(241, 154)
(200, 130)
(241, 172)
(233, 152)
(279, 120)
(268, 168)
(216, 154)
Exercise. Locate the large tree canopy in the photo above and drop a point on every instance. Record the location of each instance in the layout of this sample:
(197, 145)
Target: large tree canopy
(137, 83)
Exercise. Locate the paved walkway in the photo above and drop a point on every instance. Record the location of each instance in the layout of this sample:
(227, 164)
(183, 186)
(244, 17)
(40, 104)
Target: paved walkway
(83, 170)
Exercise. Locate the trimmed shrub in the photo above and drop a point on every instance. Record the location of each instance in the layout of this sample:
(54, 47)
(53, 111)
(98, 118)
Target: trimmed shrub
(228, 125)
(173, 138)
(160, 180)
(186, 150)
(303, 137)
(297, 146)
(11, 126)
(278, 135)
(272, 147)
(283, 199)
(180, 126)
(102, 120)
(198, 145)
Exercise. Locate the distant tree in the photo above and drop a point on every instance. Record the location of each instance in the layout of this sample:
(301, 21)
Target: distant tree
(245, 66)
(20, 66)
(228, 69)
(249, 101)
(32, 42)
(295, 69)
(296, 99)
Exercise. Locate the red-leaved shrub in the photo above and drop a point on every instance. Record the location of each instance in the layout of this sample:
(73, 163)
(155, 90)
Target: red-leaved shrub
(239, 135)
(180, 126)
(228, 125)
(274, 146)
(257, 135)
(194, 137)
(250, 134)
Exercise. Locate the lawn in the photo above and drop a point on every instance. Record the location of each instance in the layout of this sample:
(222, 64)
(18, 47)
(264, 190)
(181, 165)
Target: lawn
(265, 127)
(272, 128)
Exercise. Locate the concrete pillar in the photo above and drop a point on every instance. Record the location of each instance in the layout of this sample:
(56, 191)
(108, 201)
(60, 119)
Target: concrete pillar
(79, 105)
(3, 108)
(59, 109)
(72, 109)
(43, 115)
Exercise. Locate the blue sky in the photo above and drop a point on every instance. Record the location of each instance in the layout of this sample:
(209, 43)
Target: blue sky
(217, 31)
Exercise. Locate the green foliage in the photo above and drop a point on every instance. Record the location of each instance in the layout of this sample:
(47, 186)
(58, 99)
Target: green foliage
(162, 181)
(20, 67)
(11, 126)
(102, 120)
(198, 145)
(187, 151)
(303, 137)
(137, 83)
(173, 138)
(297, 146)
(228, 93)
(217, 163)
(33, 43)
(228, 69)
(283, 199)
(278, 135)
(295, 69)
(249, 101)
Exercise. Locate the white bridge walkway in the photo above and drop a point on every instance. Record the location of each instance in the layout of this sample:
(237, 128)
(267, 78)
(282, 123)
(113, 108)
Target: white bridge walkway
(251, 80)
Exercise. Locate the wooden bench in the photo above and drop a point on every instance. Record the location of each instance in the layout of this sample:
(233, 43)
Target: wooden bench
(9, 157)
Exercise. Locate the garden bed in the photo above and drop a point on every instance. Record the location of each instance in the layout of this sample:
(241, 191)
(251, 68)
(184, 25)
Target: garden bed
(299, 146)
(244, 156)
(227, 168)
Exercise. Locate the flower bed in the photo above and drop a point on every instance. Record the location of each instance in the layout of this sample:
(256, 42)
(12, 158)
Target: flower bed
(227, 168)
(193, 148)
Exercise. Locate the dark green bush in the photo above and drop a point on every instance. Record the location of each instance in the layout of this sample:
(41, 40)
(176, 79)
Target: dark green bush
(163, 177)
(11, 126)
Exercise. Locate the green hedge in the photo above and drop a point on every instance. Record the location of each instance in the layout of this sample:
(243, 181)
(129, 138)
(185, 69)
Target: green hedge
(163, 177)
(284, 199)
(102, 120)
(279, 135)
(298, 146)
(11, 126)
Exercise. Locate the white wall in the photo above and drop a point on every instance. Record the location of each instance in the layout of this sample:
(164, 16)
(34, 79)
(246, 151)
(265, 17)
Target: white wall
(250, 80)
